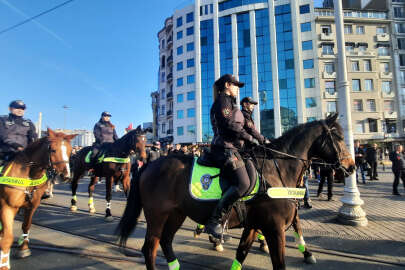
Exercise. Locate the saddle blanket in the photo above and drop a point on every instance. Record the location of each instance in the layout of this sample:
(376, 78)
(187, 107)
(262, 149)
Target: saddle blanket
(207, 185)
(102, 158)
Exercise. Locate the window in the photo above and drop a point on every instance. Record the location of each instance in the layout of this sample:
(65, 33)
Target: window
(359, 127)
(180, 131)
(329, 68)
(360, 30)
(368, 85)
(163, 61)
(163, 43)
(191, 95)
(372, 125)
(309, 82)
(305, 27)
(399, 12)
(163, 110)
(402, 76)
(190, 62)
(386, 87)
(357, 105)
(179, 21)
(383, 51)
(311, 119)
(307, 45)
(391, 125)
(349, 47)
(163, 128)
(162, 96)
(355, 66)
(180, 98)
(179, 35)
(179, 66)
(191, 129)
(304, 9)
(190, 17)
(326, 29)
(330, 87)
(180, 114)
(310, 102)
(180, 50)
(362, 48)
(308, 64)
(190, 30)
(163, 77)
(179, 82)
(191, 113)
(401, 43)
(190, 46)
(389, 106)
(402, 60)
(367, 65)
(400, 27)
(327, 49)
(356, 85)
(385, 67)
(371, 107)
(331, 106)
(381, 30)
(190, 79)
(348, 29)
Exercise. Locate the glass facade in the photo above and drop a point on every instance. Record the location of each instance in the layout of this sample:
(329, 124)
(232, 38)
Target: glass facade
(244, 54)
(225, 45)
(236, 3)
(286, 71)
(207, 76)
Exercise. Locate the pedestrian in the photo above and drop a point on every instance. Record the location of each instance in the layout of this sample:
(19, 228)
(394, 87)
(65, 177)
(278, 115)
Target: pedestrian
(184, 150)
(327, 174)
(359, 159)
(154, 152)
(307, 200)
(398, 168)
(372, 158)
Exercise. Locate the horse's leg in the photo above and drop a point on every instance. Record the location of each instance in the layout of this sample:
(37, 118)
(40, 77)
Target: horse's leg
(263, 245)
(7, 219)
(108, 195)
(126, 180)
(75, 183)
(92, 184)
(308, 257)
(275, 237)
(245, 243)
(173, 223)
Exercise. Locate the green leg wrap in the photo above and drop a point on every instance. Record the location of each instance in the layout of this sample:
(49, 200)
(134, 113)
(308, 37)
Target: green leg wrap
(174, 265)
(300, 242)
(199, 226)
(1, 226)
(260, 237)
(236, 265)
(301, 248)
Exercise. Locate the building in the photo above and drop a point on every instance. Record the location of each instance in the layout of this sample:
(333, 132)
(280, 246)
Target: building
(84, 137)
(277, 49)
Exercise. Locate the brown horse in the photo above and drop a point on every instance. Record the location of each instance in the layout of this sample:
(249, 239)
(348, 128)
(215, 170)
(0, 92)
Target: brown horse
(168, 179)
(26, 178)
(117, 170)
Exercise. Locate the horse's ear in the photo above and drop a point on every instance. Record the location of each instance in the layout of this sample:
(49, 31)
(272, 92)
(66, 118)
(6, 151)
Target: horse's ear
(331, 119)
(70, 137)
(138, 129)
(51, 133)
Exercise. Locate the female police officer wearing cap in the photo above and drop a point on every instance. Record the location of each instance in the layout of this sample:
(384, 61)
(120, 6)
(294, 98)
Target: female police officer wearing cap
(229, 136)
(15, 131)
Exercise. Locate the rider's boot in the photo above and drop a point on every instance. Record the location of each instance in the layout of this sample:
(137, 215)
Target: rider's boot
(214, 225)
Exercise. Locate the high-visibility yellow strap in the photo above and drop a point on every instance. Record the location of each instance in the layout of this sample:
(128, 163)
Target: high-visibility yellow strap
(117, 160)
(22, 182)
(8, 169)
(286, 193)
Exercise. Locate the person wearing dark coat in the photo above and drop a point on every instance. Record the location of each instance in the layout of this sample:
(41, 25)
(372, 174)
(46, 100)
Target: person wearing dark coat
(327, 174)
(16, 132)
(372, 158)
(229, 137)
(398, 168)
(359, 159)
(154, 152)
(104, 132)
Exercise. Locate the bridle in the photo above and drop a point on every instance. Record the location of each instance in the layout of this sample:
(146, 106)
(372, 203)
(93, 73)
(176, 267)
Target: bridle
(51, 171)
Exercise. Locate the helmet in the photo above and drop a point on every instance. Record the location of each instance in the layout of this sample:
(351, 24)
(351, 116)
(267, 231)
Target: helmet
(17, 104)
(106, 114)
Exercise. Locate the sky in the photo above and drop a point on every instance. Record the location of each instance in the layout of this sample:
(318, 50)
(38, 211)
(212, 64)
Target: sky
(90, 55)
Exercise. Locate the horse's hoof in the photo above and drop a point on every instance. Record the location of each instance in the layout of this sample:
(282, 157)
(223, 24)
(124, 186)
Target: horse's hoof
(92, 210)
(73, 208)
(310, 260)
(196, 234)
(264, 248)
(219, 247)
(23, 253)
(109, 219)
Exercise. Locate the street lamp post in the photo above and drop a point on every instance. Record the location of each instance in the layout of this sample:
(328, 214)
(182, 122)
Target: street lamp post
(350, 213)
(65, 107)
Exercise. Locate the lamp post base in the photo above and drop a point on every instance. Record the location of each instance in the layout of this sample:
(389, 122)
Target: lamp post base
(351, 213)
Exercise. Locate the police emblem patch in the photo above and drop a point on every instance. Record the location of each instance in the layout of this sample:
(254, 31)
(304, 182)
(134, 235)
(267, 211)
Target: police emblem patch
(206, 181)
(226, 112)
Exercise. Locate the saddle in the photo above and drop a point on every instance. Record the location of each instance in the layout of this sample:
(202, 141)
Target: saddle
(104, 155)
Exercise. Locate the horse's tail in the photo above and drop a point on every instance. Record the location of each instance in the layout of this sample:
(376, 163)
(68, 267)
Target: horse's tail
(132, 212)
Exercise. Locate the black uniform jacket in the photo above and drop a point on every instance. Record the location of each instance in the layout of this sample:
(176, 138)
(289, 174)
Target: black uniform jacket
(228, 124)
(398, 162)
(104, 132)
(15, 132)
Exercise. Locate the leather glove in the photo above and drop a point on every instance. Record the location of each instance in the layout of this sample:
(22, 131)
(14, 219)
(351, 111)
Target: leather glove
(254, 142)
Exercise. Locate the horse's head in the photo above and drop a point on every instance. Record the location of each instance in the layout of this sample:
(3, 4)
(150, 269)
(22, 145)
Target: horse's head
(331, 148)
(138, 144)
(60, 151)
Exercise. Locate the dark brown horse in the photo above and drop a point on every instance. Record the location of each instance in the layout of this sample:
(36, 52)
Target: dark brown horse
(24, 181)
(113, 171)
(168, 179)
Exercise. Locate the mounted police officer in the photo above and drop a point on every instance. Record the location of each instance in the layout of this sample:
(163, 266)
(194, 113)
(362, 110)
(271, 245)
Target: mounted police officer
(16, 132)
(229, 137)
(104, 132)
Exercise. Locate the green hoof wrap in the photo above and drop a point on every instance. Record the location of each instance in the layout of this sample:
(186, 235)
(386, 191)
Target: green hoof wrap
(174, 265)
(260, 237)
(236, 265)
(301, 248)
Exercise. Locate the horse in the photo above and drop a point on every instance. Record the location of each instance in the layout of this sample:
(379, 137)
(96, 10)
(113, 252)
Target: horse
(23, 183)
(115, 170)
(281, 164)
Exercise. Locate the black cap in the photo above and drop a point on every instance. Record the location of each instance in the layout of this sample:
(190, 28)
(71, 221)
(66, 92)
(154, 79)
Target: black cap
(248, 100)
(156, 143)
(17, 104)
(219, 84)
(106, 114)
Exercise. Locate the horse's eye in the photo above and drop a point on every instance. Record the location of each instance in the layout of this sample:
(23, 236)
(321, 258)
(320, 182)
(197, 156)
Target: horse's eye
(53, 151)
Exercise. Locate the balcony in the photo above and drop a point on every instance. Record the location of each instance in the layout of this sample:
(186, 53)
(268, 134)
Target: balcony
(385, 75)
(170, 60)
(169, 113)
(326, 37)
(360, 53)
(382, 37)
(327, 75)
(169, 42)
(170, 131)
(169, 24)
(329, 95)
(169, 77)
(390, 115)
(169, 95)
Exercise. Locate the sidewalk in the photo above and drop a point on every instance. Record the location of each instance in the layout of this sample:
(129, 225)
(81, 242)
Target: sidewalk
(384, 237)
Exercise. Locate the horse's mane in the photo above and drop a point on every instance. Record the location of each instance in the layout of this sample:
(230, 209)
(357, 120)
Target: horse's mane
(32, 147)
